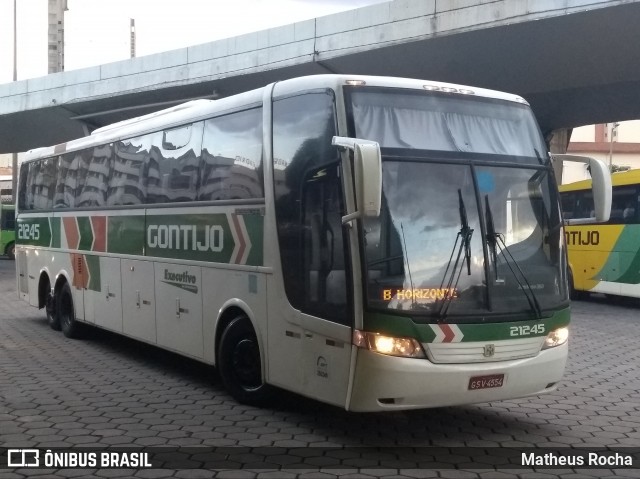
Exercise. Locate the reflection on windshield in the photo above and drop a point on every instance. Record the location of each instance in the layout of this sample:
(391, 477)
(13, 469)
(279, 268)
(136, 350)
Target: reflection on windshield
(423, 198)
(413, 250)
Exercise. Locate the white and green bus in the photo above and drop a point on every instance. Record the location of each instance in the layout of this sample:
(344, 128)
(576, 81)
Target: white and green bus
(373, 243)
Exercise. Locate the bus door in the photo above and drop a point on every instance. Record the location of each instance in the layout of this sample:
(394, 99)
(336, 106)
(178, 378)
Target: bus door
(326, 318)
(310, 330)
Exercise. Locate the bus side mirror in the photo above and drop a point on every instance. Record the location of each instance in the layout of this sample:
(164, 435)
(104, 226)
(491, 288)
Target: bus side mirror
(600, 185)
(367, 162)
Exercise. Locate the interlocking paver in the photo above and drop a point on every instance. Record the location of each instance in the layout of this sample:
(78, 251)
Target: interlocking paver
(114, 391)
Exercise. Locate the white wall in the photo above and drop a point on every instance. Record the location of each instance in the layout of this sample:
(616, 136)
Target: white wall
(584, 133)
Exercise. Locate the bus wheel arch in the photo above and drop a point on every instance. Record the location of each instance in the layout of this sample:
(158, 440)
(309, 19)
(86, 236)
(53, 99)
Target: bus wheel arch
(239, 358)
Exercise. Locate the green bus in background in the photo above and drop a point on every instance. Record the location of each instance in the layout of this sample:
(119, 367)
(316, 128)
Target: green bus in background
(7, 230)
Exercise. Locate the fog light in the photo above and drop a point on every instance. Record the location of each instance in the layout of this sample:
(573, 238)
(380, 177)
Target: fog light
(556, 337)
(389, 345)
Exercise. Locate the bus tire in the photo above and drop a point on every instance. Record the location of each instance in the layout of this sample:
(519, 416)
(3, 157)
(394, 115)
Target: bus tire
(574, 294)
(11, 251)
(50, 308)
(239, 363)
(66, 314)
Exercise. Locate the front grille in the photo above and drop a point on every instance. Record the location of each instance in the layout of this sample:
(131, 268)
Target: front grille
(478, 351)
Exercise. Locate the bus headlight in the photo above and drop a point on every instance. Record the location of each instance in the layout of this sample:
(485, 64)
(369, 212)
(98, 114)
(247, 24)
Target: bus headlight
(389, 345)
(556, 338)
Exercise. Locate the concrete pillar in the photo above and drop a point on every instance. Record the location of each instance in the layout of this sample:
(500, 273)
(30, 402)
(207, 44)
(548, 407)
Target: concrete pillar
(56, 35)
(558, 144)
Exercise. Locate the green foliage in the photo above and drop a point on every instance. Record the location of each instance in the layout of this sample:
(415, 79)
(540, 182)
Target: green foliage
(617, 168)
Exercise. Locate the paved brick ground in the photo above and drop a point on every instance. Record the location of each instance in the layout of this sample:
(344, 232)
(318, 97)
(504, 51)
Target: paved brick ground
(107, 390)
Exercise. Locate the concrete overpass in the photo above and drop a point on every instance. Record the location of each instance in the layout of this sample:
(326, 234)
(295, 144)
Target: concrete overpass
(576, 61)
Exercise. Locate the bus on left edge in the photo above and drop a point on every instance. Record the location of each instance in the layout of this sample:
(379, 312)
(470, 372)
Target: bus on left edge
(8, 230)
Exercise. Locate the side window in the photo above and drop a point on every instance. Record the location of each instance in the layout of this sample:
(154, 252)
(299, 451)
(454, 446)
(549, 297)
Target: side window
(232, 157)
(8, 220)
(127, 180)
(568, 205)
(23, 187)
(43, 187)
(584, 207)
(67, 180)
(173, 162)
(624, 205)
(32, 185)
(96, 172)
(309, 210)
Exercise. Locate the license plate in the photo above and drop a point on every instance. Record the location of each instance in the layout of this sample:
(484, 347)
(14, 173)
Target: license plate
(486, 382)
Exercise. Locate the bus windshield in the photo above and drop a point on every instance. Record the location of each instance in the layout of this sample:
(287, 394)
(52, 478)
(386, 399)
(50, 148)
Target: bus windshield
(462, 232)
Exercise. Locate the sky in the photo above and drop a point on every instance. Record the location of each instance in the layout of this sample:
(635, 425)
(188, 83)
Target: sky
(97, 31)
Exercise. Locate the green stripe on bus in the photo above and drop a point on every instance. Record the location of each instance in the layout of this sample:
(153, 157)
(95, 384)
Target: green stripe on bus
(206, 237)
(217, 238)
(255, 229)
(33, 232)
(623, 262)
(55, 232)
(93, 265)
(125, 235)
(86, 234)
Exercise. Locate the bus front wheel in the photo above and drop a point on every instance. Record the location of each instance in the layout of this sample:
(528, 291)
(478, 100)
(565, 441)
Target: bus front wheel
(66, 314)
(239, 363)
(574, 294)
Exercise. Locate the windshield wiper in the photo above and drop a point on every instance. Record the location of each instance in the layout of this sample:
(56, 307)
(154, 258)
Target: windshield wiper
(495, 242)
(406, 256)
(464, 238)
(492, 236)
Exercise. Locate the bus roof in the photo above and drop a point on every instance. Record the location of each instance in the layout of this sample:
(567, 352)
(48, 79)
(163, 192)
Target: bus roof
(199, 109)
(629, 177)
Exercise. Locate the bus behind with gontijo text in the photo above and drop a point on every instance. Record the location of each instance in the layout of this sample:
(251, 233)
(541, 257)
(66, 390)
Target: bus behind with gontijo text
(374, 243)
(603, 258)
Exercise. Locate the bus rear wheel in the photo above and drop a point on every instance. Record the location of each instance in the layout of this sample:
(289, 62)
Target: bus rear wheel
(240, 365)
(66, 313)
(50, 307)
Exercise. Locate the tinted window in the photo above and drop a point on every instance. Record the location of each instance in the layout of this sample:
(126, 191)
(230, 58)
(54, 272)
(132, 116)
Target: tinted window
(44, 184)
(126, 181)
(32, 187)
(8, 220)
(160, 167)
(69, 165)
(95, 177)
(173, 164)
(624, 205)
(577, 204)
(37, 184)
(232, 157)
(22, 189)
